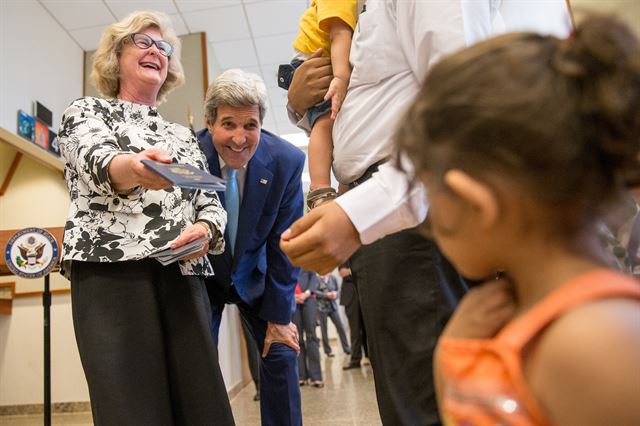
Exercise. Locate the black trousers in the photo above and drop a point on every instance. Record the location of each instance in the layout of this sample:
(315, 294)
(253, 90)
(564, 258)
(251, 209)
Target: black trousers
(253, 355)
(407, 292)
(357, 333)
(305, 318)
(337, 322)
(143, 332)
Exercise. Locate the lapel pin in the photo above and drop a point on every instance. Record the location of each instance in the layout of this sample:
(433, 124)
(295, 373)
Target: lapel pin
(263, 181)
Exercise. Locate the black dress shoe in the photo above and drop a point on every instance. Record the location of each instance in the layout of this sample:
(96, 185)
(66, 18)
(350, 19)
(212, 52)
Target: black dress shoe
(351, 365)
(330, 355)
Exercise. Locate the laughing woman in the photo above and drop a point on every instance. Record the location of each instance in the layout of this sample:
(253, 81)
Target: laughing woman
(142, 328)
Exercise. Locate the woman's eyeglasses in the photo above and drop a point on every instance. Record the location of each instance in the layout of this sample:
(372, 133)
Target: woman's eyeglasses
(143, 41)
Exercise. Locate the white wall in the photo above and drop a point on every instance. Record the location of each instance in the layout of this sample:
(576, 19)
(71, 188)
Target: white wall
(38, 61)
(229, 350)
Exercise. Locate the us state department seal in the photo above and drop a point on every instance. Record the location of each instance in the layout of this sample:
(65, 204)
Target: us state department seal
(31, 253)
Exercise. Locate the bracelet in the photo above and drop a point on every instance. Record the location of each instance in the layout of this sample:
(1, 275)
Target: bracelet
(207, 227)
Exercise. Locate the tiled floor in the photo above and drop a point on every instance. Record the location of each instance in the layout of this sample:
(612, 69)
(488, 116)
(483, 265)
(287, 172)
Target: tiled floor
(348, 398)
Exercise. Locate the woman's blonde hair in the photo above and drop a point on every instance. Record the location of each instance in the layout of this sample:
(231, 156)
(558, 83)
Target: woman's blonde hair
(105, 74)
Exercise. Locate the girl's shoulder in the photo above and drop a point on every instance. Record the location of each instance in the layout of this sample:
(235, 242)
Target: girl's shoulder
(588, 358)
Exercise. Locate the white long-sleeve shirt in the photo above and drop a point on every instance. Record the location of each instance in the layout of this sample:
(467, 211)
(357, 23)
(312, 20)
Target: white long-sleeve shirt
(394, 44)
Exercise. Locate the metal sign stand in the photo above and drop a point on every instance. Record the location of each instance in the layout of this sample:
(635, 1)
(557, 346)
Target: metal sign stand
(46, 303)
(32, 253)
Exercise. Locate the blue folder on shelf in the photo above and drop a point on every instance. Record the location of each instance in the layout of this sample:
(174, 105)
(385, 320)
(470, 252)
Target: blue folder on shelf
(186, 176)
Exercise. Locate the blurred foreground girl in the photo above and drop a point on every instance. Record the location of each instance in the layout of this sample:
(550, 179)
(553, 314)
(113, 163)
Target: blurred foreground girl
(523, 141)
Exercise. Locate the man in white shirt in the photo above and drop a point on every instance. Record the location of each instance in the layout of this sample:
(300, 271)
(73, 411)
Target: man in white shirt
(388, 206)
(407, 289)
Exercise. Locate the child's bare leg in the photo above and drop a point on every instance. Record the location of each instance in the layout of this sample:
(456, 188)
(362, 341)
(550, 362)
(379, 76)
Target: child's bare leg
(320, 153)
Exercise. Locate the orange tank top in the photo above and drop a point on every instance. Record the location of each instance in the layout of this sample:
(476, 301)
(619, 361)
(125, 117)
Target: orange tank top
(483, 379)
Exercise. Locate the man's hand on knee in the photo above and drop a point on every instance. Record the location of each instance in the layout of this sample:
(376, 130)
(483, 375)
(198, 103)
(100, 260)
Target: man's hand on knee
(286, 334)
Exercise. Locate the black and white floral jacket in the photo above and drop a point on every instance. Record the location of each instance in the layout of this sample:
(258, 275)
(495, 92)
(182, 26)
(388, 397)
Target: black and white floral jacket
(105, 226)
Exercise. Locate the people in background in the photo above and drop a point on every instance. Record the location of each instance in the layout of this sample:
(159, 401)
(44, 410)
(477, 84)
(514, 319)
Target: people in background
(327, 294)
(326, 28)
(357, 332)
(305, 319)
(142, 328)
(555, 339)
(263, 197)
(407, 289)
(620, 229)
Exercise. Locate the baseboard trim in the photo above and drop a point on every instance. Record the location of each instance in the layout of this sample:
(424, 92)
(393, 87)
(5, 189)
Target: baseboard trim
(57, 407)
(235, 390)
(81, 406)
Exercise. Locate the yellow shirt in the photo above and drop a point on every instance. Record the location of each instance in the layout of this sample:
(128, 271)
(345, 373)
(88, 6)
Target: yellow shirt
(314, 24)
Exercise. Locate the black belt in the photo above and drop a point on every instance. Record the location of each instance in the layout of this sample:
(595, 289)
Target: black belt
(367, 174)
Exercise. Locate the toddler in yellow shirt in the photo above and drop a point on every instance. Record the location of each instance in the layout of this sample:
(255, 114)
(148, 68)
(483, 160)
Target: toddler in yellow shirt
(326, 25)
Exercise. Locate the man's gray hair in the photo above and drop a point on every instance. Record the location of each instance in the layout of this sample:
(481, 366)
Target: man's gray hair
(235, 88)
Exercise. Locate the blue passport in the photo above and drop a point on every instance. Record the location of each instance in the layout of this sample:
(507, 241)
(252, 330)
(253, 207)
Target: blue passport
(186, 176)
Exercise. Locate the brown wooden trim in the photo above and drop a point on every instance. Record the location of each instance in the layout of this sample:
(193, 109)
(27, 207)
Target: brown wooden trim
(10, 173)
(84, 73)
(39, 293)
(205, 64)
(6, 304)
(11, 285)
(31, 150)
(36, 293)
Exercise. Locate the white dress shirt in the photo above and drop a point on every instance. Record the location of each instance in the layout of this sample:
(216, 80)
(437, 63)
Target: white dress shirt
(393, 46)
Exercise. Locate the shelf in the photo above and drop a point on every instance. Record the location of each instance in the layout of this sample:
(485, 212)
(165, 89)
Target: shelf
(31, 150)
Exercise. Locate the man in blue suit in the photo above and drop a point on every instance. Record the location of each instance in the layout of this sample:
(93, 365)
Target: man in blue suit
(263, 198)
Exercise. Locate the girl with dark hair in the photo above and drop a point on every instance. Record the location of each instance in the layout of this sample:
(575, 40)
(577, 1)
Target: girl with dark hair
(523, 141)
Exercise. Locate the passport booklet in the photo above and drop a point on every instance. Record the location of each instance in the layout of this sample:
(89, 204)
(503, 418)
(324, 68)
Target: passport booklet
(170, 255)
(186, 176)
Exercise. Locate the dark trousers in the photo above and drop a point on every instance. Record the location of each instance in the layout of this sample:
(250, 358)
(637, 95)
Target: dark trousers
(253, 355)
(280, 401)
(143, 335)
(337, 322)
(407, 292)
(309, 357)
(357, 333)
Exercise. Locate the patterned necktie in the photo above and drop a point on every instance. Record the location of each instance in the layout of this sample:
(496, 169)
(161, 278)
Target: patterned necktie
(232, 200)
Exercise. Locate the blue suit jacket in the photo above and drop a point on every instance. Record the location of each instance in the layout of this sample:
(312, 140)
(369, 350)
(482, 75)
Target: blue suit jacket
(272, 200)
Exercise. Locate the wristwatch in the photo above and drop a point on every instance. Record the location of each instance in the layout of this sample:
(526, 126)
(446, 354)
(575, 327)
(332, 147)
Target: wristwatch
(285, 74)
